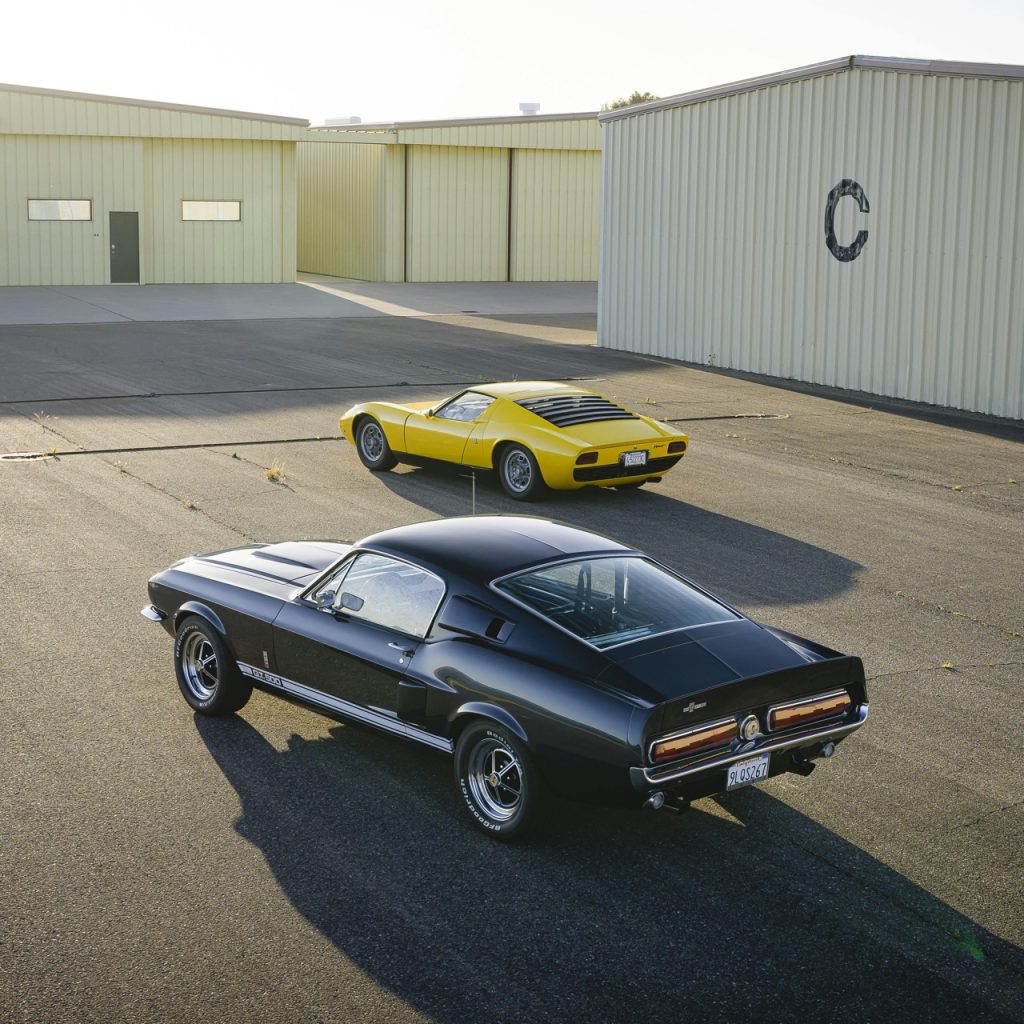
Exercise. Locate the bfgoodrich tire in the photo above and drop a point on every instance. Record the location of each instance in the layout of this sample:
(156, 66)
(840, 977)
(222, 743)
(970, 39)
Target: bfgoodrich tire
(372, 446)
(497, 781)
(208, 676)
(519, 473)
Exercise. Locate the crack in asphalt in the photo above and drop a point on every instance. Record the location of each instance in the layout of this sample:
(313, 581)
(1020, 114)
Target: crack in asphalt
(187, 503)
(29, 456)
(942, 609)
(934, 668)
(988, 814)
(867, 467)
(266, 390)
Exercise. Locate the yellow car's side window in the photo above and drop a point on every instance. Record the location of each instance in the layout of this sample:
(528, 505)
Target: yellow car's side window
(466, 408)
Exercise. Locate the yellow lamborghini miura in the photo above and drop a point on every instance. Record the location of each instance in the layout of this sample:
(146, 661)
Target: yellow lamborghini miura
(531, 433)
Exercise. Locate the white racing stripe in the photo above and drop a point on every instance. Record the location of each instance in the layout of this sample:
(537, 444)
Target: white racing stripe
(347, 708)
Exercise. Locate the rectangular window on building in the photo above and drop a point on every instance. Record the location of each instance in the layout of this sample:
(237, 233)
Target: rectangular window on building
(60, 209)
(202, 209)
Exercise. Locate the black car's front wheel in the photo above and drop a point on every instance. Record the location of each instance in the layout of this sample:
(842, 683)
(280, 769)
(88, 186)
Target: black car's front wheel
(497, 781)
(372, 446)
(208, 676)
(519, 473)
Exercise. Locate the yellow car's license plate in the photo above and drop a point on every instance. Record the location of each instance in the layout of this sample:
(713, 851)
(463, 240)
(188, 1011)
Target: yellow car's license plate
(634, 458)
(743, 773)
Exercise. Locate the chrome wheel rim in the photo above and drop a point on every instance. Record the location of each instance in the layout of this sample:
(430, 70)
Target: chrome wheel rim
(199, 666)
(518, 471)
(495, 779)
(371, 440)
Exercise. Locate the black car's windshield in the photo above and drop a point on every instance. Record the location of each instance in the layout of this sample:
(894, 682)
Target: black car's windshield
(611, 601)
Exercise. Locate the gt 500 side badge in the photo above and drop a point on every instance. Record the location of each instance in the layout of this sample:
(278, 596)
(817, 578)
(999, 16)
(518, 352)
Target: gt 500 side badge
(694, 707)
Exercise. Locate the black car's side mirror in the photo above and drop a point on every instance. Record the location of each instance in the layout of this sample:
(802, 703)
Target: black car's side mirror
(350, 602)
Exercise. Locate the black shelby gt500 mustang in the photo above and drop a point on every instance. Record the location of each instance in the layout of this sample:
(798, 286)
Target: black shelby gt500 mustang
(544, 657)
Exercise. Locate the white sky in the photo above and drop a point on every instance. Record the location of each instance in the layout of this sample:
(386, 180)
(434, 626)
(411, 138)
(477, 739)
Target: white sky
(399, 60)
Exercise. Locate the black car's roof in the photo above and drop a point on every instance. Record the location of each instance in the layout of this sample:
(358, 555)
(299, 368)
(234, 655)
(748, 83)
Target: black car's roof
(482, 548)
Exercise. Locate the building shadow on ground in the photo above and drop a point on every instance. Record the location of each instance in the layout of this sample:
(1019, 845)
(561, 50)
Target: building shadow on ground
(742, 908)
(740, 561)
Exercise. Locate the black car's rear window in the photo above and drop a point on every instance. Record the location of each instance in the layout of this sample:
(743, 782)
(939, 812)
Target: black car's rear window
(611, 601)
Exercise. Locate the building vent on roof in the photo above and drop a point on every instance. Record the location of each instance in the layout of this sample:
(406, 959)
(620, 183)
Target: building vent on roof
(337, 122)
(569, 410)
(528, 109)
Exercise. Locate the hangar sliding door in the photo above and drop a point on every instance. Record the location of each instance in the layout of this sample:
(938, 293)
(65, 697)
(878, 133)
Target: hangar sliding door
(555, 215)
(456, 214)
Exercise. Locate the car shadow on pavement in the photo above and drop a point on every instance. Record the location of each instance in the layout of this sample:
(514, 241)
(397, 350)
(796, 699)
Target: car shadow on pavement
(740, 561)
(742, 908)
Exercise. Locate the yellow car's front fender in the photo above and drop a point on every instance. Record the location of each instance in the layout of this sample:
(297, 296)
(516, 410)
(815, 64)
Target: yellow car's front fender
(391, 417)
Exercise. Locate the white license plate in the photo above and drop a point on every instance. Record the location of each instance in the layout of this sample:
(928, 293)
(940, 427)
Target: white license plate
(634, 458)
(743, 773)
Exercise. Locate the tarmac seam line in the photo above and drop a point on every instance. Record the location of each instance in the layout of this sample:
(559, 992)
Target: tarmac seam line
(271, 391)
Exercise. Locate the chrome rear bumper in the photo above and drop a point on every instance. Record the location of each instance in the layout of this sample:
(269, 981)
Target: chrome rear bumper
(153, 614)
(643, 779)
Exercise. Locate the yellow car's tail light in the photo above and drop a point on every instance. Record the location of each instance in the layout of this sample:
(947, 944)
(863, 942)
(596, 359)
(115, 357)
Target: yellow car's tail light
(784, 716)
(586, 459)
(677, 448)
(706, 737)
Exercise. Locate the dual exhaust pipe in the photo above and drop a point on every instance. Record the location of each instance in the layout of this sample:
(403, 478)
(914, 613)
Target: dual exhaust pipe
(800, 763)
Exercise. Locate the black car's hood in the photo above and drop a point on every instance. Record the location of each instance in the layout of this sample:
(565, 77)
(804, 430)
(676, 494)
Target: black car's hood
(694, 660)
(295, 563)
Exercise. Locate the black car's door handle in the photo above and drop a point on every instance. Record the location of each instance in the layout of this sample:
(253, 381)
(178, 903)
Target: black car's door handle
(407, 651)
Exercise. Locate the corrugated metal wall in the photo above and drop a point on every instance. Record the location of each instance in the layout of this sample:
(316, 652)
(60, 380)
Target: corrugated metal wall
(555, 215)
(713, 243)
(151, 177)
(258, 248)
(341, 193)
(107, 171)
(389, 206)
(457, 214)
(524, 133)
(46, 113)
(73, 146)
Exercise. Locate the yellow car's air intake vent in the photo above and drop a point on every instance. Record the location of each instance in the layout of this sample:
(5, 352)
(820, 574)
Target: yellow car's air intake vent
(568, 410)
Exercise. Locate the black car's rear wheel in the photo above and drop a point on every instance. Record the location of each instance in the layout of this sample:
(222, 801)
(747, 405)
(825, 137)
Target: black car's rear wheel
(208, 676)
(519, 473)
(499, 785)
(372, 446)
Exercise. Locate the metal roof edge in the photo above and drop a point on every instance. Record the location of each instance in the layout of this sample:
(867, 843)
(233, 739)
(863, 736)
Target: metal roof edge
(922, 67)
(153, 104)
(467, 122)
(685, 99)
(958, 68)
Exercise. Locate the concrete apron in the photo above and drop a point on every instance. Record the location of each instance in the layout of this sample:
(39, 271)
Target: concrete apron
(312, 297)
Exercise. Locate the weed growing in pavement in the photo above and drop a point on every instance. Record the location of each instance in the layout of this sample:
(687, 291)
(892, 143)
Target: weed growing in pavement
(40, 417)
(192, 506)
(275, 472)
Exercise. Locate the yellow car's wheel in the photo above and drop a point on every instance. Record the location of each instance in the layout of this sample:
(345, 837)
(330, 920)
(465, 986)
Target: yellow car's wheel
(372, 446)
(519, 473)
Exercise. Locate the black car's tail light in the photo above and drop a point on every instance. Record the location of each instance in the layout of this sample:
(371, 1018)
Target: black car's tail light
(677, 448)
(694, 741)
(829, 705)
(586, 459)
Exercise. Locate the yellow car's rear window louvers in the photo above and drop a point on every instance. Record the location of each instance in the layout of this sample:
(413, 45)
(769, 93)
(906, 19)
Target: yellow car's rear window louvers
(569, 410)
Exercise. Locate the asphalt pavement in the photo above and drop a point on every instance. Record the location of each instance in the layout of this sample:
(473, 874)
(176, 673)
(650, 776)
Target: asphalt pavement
(278, 866)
